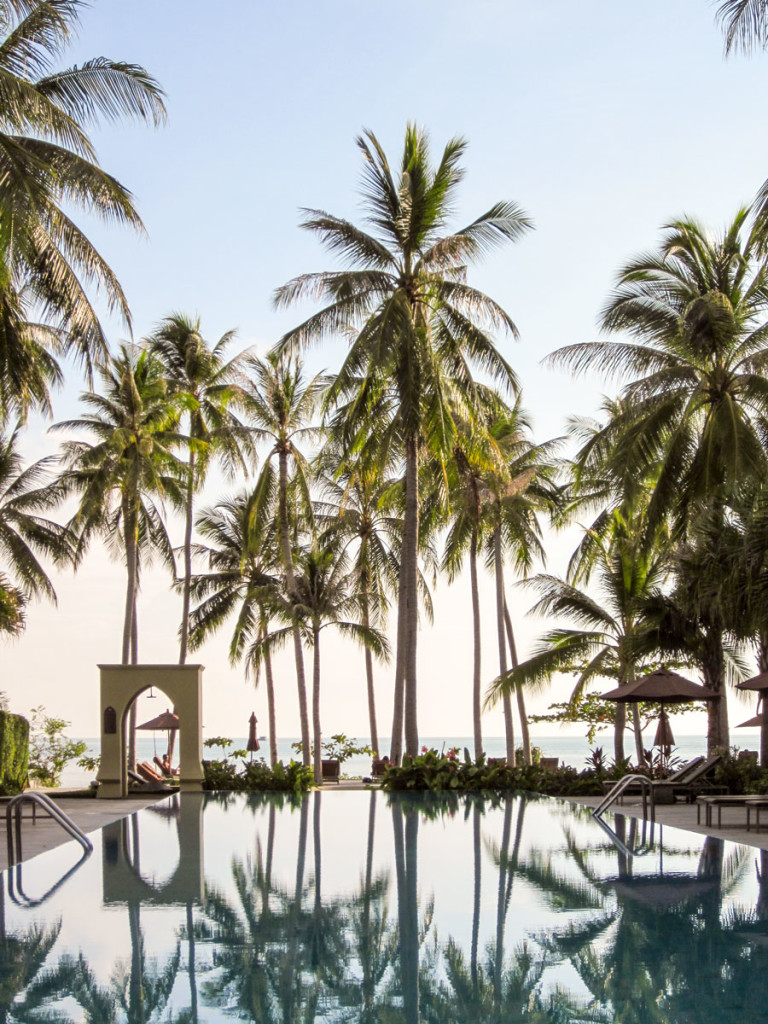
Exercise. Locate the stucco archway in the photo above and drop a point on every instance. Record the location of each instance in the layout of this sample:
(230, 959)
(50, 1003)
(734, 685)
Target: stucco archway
(119, 686)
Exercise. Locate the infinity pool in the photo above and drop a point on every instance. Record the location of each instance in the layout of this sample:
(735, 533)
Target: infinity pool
(369, 908)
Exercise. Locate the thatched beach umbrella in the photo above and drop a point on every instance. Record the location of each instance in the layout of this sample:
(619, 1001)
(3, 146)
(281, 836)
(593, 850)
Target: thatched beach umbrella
(661, 687)
(759, 684)
(253, 740)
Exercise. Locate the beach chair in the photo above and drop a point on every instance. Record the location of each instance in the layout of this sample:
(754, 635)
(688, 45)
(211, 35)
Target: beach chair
(666, 795)
(378, 766)
(693, 783)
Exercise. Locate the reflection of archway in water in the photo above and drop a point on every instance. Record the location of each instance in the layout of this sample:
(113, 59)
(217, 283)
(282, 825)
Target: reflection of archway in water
(161, 870)
(125, 877)
(120, 686)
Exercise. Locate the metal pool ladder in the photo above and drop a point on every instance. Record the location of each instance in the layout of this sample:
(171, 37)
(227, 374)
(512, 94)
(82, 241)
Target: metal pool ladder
(613, 795)
(13, 810)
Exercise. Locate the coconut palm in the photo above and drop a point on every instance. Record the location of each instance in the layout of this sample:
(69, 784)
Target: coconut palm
(25, 533)
(697, 390)
(745, 24)
(197, 373)
(123, 477)
(323, 595)
(12, 609)
(354, 512)
(241, 550)
(516, 492)
(418, 328)
(48, 166)
(627, 575)
(693, 412)
(280, 402)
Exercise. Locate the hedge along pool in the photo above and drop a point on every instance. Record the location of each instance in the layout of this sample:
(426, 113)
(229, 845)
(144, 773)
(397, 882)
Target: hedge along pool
(370, 907)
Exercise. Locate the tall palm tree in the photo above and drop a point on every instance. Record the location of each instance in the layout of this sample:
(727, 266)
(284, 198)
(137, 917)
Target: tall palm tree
(419, 327)
(353, 511)
(516, 491)
(25, 533)
(605, 646)
(694, 410)
(123, 477)
(48, 167)
(323, 595)
(241, 549)
(197, 373)
(279, 403)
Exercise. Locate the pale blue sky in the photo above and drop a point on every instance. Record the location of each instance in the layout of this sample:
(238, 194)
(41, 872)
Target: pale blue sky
(602, 119)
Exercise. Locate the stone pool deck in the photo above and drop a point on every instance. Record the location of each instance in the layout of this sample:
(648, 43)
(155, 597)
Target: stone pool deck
(89, 815)
(733, 827)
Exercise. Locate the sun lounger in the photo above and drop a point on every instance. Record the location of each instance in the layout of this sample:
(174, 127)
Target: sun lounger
(694, 783)
(679, 776)
(378, 766)
(147, 785)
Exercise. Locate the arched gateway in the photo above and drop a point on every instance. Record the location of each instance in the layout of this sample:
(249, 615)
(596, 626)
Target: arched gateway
(120, 685)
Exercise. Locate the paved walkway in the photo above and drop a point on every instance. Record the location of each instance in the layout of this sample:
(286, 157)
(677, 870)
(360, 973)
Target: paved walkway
(88, 814)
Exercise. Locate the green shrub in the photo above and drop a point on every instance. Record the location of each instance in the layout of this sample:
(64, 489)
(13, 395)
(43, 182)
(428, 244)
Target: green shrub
(740, 774)
(49, 749)
(434, 771)
(257, 777)
(14, 753)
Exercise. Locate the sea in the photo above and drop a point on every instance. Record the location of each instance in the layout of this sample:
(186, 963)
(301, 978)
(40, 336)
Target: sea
(570, 750)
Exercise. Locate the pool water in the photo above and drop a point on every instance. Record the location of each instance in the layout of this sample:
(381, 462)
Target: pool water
(382, 909)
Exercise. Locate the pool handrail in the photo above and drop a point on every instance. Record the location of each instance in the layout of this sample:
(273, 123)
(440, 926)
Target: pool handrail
(611, 797)
(42, 800)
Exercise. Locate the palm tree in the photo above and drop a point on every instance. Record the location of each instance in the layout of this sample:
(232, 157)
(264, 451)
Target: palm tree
(207, 385)
(323, 596)
(12, 609)
(280, 403)
(605, 646)
(419, 327)
(48, 165)
(24, 531)
(242, 556)
(353, 511)
(475, 456)
(515, 493)
(692, 415)
(745, 24)
(123, 477)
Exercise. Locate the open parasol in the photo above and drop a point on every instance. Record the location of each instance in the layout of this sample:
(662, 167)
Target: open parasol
(166, 722)
(253, 739)
(759, 684)
(661, 687)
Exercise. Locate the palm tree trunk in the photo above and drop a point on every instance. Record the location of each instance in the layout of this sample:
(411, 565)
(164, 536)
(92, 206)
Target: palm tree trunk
(369, 682)
(411, 625)
(637, 727)
(298, 650)
(184, 631)
(762, 662)
(525, 732)
(318, 739)
(396, 742)
(130, 653)
(509, 727)
(717, 710)
(129, 527)
(270, 680)
(476, 681)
